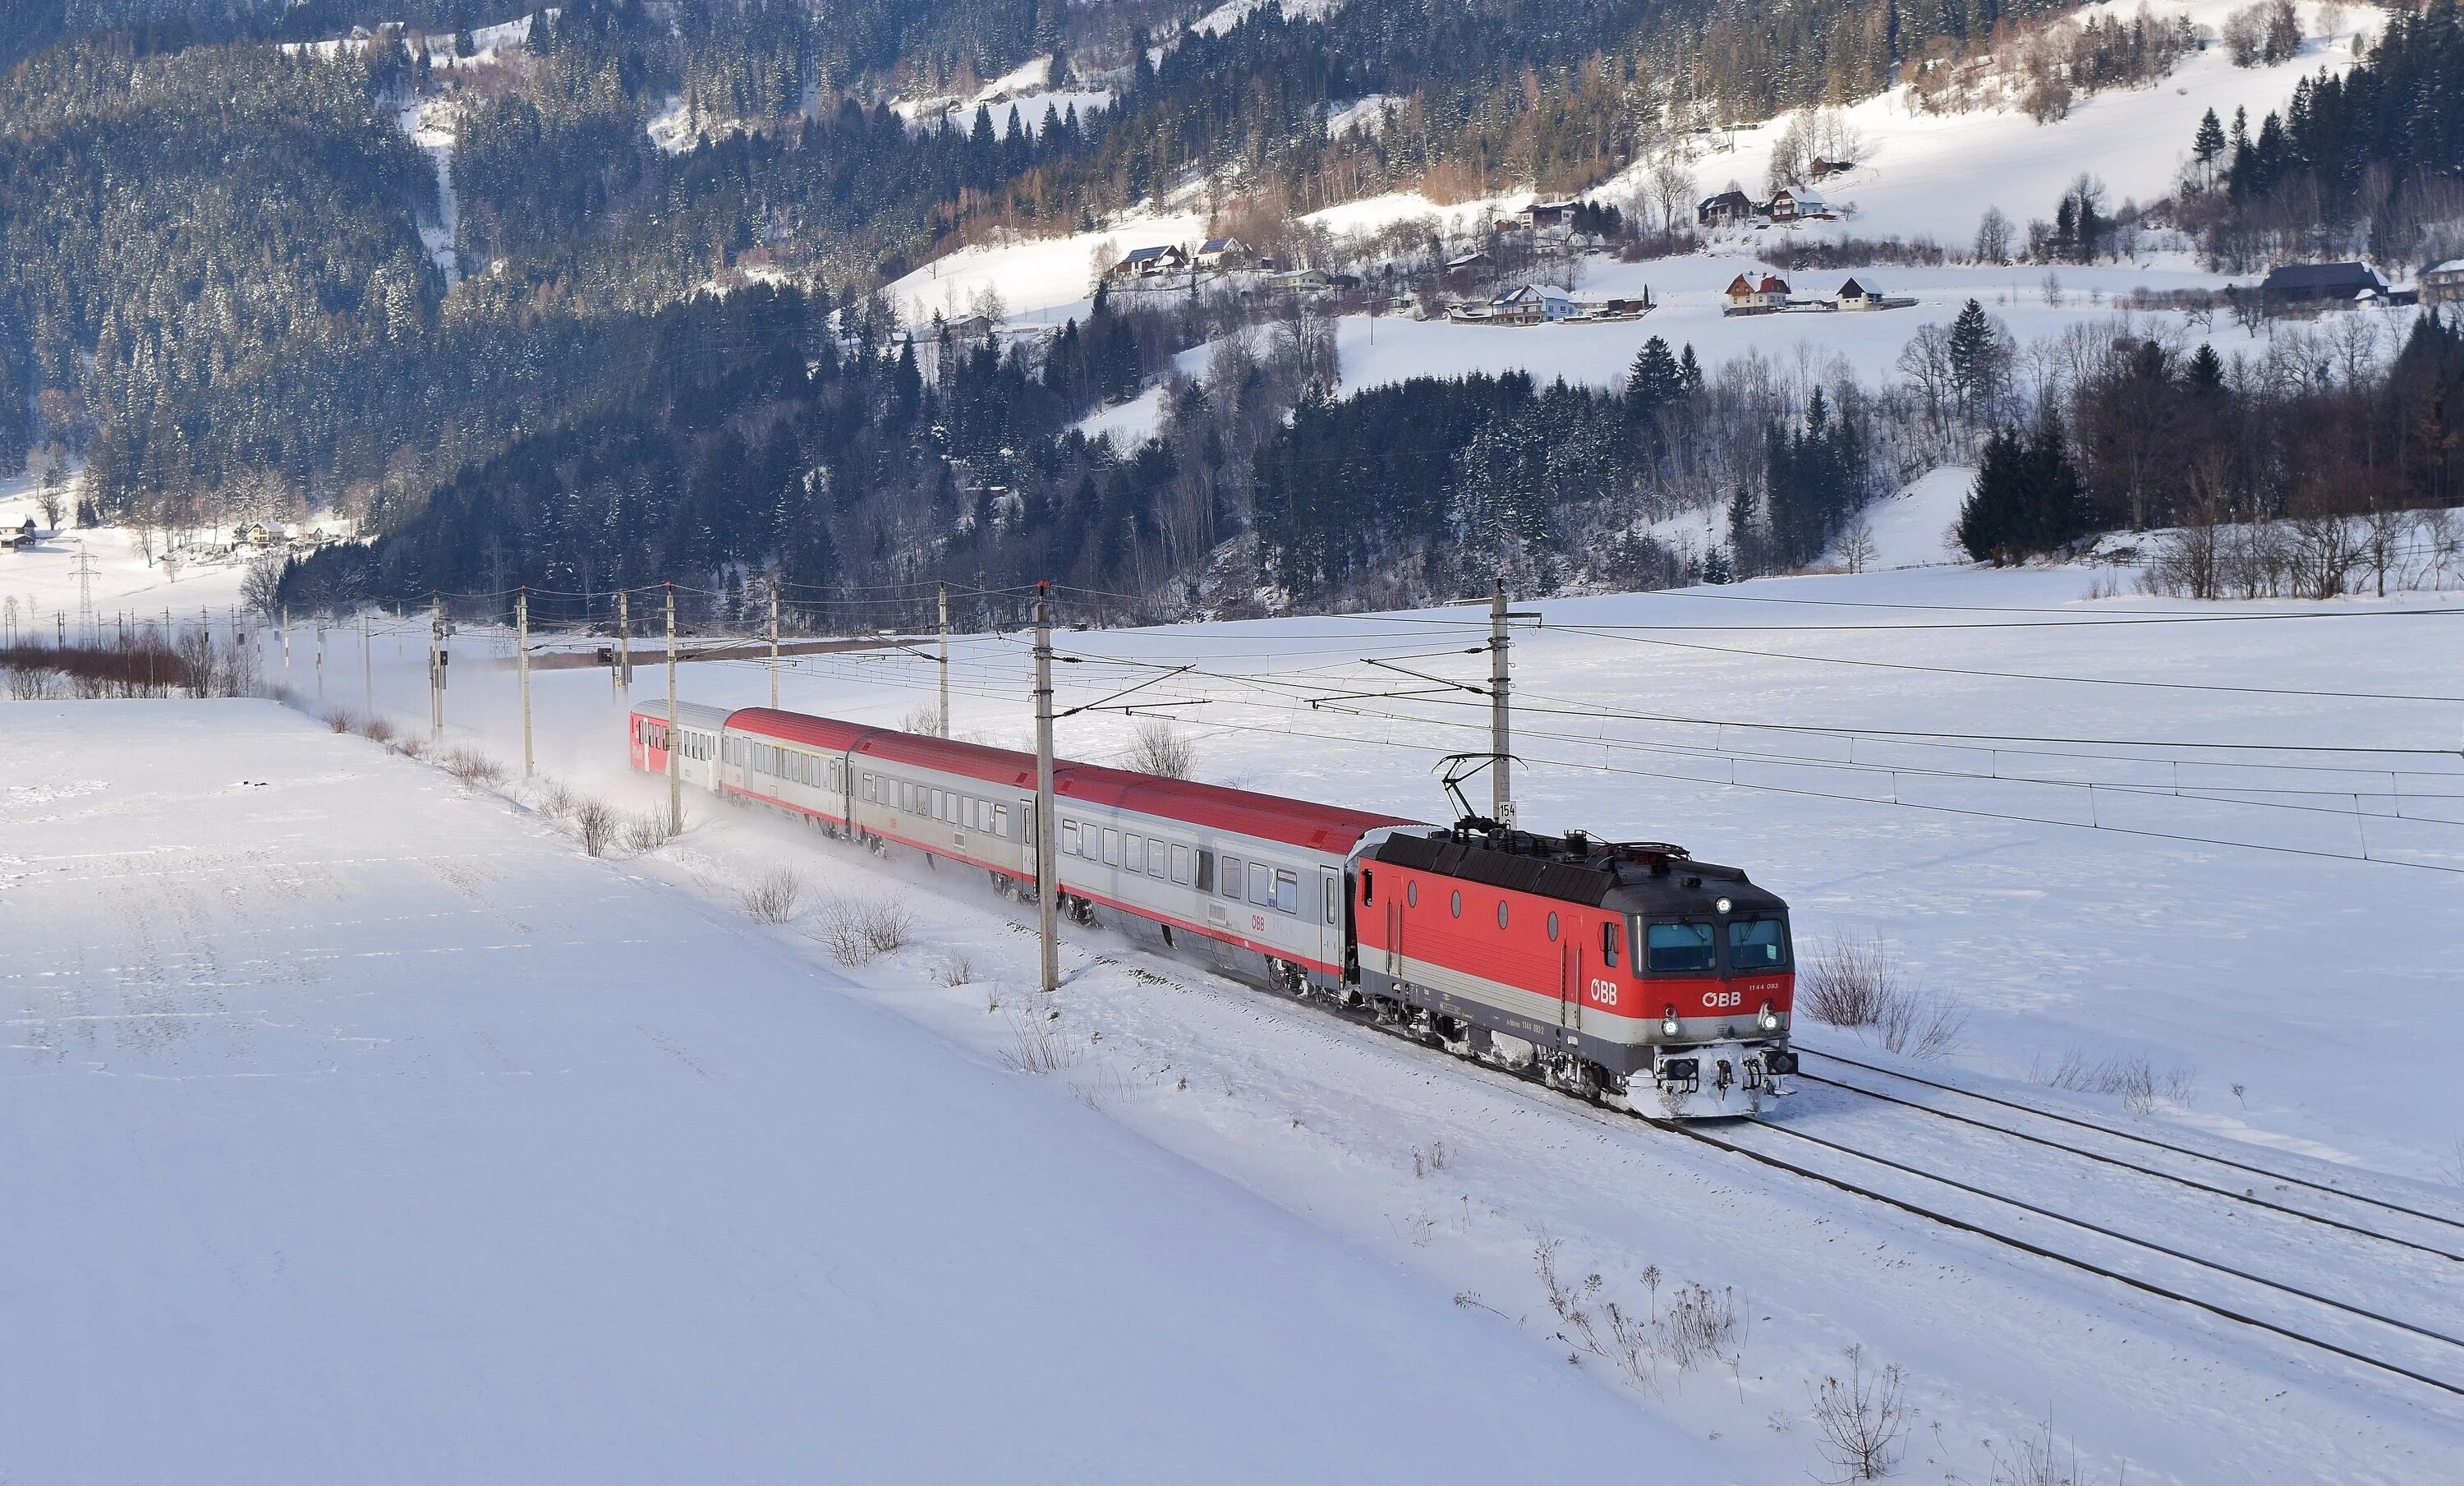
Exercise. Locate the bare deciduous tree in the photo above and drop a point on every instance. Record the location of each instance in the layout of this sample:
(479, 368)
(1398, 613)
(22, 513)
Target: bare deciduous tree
(1669, 183)
(1864, 1418)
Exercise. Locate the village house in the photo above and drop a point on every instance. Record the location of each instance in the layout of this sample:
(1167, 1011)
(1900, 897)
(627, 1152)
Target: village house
(1546, 216)
(1726, 209)
(1300, 280)
(2297, 283)
(1151, 263)
(1863, 294)
(1532, 304)
(1217, 253)
(1750, 294)
(1798, 204)
(2443, 284)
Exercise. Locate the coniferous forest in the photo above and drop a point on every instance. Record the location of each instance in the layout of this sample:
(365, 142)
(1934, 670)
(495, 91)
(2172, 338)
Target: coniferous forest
(234, 287)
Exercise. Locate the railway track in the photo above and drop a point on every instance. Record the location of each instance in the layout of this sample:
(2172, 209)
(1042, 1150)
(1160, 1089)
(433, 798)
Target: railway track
(2202, 1282)
(2283, 1179)
(2205, 1283)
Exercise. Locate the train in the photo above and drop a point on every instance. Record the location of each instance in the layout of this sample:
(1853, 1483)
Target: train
(1625, 972)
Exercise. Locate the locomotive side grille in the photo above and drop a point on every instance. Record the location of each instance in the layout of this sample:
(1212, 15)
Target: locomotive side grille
(1564, 881)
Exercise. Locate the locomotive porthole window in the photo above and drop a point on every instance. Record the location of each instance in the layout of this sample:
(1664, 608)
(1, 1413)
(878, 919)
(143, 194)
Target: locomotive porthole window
(1456, 908)
(1553, 929)
(1410, 894)
(1501, 913)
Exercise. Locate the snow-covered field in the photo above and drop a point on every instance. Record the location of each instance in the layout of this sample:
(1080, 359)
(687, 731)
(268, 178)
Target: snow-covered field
(43, 578)
(2202, 910)
(356, 1130)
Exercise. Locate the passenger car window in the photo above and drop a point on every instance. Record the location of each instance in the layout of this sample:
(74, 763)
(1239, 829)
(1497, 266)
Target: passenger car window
(1206, 870)
(1180, 864)
(1287, 891)
(1261, 884)
(1133, 852)
(1678, 947)
(1112, 848)
(1070, 836)
(1232, 877)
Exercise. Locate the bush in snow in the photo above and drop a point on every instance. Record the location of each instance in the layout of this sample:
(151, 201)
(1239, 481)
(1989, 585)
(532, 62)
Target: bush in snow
(1857, 983)
(596, 825)
(774, 896)
(1163, 749)
(857, 931)
(474, 768)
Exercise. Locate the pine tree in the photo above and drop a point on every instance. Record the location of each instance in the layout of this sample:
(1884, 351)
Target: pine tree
(1653, 381)
(2207, 145)
(1992, 512)
(1975, 353)
(2205, 371)
(1690, 370)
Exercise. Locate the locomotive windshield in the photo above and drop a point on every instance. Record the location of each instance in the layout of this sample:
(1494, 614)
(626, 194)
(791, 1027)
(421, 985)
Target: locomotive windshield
(1678, 947)
(1757, 944)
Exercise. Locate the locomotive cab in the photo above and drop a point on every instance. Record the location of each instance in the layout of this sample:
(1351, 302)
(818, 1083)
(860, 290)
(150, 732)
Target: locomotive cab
(1626, 971)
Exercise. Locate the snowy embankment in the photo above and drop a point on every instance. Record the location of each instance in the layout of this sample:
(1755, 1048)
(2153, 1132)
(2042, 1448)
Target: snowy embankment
(426, 1148)
(2201, 915)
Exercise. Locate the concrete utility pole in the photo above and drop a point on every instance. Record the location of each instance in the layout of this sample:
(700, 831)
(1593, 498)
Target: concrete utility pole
(522, 664)
(286, 639)
(675, 734)
(367, 665)
(436, 661)
(941, 595)
(1048, 869)
(321, 657)
(774, 644)
(621, 674)
(1500, 781)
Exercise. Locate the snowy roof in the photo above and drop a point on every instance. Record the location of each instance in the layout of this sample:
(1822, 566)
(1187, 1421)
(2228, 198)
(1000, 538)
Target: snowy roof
(2451, 266)
(1523, 292)
(2325, 277)
(1798, 194)
(1149, 254)
(1219, 244)
(1853, 290)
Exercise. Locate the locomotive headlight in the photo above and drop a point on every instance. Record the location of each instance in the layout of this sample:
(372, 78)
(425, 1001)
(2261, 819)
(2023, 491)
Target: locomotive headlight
(1724, 905)
(1768, 1018)
(1668, 1022)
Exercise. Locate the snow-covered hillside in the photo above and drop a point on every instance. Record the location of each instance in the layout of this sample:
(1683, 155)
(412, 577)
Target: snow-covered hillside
(1934, 175)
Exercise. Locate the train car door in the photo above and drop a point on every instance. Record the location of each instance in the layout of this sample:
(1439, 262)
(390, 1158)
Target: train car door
(1027, 858)
(1569, 992)
(1330, 907)
(1395, 934)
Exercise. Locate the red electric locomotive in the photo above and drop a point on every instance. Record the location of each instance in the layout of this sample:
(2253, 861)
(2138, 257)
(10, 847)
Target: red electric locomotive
(1627, 972)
